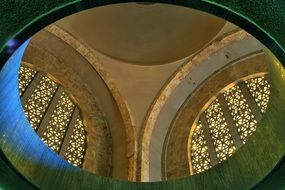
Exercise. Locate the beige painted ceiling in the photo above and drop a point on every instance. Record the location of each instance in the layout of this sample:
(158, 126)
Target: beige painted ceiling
(138, 47)
(144, 34)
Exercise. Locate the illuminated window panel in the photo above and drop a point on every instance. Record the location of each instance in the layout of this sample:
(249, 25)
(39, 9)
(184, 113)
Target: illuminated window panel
(39, 100)
(260, 89)
(26, 75)
(58, 123)
(199, 151)
(241, 112)
(220, 133)
(76, 148)
(54, 132)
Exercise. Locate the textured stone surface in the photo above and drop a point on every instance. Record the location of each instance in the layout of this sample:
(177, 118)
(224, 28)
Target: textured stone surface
(177, 161)
(90, 56)
(97, 159)
(241, 171)
(175, 80)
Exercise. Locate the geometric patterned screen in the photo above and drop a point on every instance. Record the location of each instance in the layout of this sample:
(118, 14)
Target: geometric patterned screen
(52, 114)
(228, 122)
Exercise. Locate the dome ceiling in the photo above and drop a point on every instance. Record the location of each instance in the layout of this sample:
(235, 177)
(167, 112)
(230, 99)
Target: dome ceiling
(144, 34)
(130, 104)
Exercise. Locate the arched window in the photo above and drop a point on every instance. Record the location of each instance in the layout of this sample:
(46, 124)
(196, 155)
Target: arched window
(52, 114)
(227, 121)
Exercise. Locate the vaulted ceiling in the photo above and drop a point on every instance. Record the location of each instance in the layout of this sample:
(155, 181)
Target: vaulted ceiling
(153, 109)
(139, 64)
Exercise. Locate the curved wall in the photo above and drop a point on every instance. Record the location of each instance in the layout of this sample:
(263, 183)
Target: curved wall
(181, 127)
(241, 163)
(184, 82)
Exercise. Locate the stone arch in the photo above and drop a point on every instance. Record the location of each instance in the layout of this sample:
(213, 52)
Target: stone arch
(95, 123)
(90, 55)
(182, 124)
(39, 52)
(225, 7)
(154, 127)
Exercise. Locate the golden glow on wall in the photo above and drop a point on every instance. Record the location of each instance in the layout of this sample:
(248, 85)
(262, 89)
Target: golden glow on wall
(259, 88)
(58, 123)
(76, 150)
(217, 124)
(26, 75)
(219, 129)
(38, 94)
(39, 100)
(241, 112)
(199, 153)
